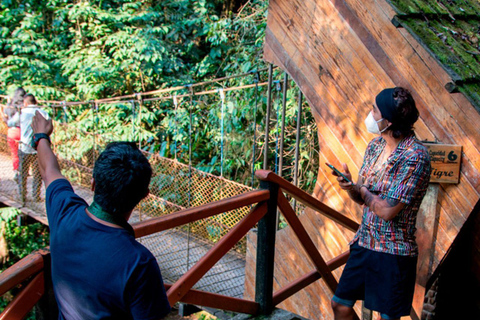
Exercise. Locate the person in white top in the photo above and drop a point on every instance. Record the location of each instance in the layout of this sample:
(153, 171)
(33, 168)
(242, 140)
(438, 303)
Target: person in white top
(27, 154)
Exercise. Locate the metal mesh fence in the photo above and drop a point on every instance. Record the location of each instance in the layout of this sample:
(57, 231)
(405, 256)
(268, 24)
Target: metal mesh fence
(174, 186)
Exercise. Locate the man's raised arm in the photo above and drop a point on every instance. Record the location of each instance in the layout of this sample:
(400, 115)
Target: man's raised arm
(47, 161)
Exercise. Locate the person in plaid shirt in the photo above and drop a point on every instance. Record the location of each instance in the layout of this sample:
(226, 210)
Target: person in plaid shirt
(391, 184)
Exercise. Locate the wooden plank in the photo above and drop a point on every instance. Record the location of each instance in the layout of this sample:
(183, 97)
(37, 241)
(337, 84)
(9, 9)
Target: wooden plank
(27, 211)
(339, 43)
(329, 72)
(290, 64)
(250, 266)
(322, 93)
(330, 238)
(333, 194)
(16, 274)
(387, 64)
(426, 228)
(23, 303)
(201, 212)
(309, 302)
(307, 279)
(186, 282)
(426, 65)
(386, 8)
(218, 301)
(415, 73)
(306, 242)
(289, 269)
(440, 73)
(449, 222)
(306, 199)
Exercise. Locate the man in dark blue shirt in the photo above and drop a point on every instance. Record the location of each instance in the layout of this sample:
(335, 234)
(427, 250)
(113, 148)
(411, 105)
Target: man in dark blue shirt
(99, 270)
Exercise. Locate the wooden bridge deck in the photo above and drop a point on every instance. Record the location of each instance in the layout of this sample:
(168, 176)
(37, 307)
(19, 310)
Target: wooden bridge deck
(175, 250)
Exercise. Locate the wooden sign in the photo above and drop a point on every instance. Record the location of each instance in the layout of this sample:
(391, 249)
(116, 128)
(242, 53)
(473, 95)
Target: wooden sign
(445, 160)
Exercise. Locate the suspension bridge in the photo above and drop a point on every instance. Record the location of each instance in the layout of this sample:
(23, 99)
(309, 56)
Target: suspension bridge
(175, 186)
(176, 250)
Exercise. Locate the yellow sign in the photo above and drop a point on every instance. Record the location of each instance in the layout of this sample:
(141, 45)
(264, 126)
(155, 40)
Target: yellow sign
(445, 160)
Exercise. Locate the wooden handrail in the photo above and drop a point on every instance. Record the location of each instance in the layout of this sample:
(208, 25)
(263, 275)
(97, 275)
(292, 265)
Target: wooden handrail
(188, 280)
(23, 269)
(306, 241)
(218, 301)
(293, 287)
(25, 300)
(201, 212)
(306, 199)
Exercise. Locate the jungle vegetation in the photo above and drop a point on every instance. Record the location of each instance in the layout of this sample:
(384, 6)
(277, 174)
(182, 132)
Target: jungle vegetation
(83, 50)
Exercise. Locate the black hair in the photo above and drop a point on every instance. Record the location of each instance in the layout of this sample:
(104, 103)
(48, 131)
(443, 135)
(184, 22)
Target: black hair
(18, 96)
(122, 176)
(406, 113)
(29, 99)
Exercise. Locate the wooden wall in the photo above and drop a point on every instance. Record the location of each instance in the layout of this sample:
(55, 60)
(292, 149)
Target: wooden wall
(341, 53)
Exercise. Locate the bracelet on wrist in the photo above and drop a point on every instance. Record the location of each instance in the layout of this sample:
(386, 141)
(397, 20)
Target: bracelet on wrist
(37, 137)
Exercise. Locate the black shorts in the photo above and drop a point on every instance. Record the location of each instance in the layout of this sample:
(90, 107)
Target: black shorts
(385, 282)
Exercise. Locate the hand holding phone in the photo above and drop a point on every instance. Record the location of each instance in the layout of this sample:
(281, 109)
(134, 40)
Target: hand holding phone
(338, 173)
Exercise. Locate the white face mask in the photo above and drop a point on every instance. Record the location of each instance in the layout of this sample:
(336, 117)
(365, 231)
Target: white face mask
(372, 124)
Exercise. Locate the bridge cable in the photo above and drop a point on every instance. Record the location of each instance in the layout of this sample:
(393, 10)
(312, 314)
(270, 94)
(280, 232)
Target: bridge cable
(278, 88)
(255, 80)
(222, 97)
(139, 99)
(175, 104)
(134, 116)
(192, 93)
(282, 133)
(64, 107)
(297, 144)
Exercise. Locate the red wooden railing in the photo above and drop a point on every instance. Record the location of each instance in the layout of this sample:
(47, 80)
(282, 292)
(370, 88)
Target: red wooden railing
(32, 266)
(266, 202)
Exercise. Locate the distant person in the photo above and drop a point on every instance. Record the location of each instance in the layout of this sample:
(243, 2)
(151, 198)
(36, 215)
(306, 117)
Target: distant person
(11, 117)
(99, 270)
(391, 184)
(27, 155)
(18, 96)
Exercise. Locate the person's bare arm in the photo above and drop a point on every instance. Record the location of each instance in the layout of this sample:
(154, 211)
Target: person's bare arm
(386, 209)
(47, 161)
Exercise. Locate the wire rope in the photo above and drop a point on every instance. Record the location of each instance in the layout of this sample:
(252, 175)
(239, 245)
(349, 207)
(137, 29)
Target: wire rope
(222, 114)
(255, 80)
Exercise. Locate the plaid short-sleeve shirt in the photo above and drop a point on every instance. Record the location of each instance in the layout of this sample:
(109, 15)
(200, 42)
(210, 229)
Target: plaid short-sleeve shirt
(404, 178)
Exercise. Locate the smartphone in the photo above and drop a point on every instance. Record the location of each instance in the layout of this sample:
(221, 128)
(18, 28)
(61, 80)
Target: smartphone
(338, 172)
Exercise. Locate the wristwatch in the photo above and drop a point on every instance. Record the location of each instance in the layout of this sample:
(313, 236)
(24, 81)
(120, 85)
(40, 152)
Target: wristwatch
(37, 137)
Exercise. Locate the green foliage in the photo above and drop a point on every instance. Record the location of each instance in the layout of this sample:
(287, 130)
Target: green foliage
(21, 241)
(91, 49)
(97, 49)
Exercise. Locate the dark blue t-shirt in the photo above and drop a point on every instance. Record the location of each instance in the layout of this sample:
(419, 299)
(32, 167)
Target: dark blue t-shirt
(99, 272)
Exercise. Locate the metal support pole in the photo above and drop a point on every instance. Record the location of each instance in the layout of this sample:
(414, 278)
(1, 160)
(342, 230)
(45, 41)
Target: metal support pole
(266, 251)
(282, 132)
(297, 143)
(190, 128)
(267, 118)
(140, 105)
(94, 119)
(255, 80)
(64, 107)
(134, 116)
